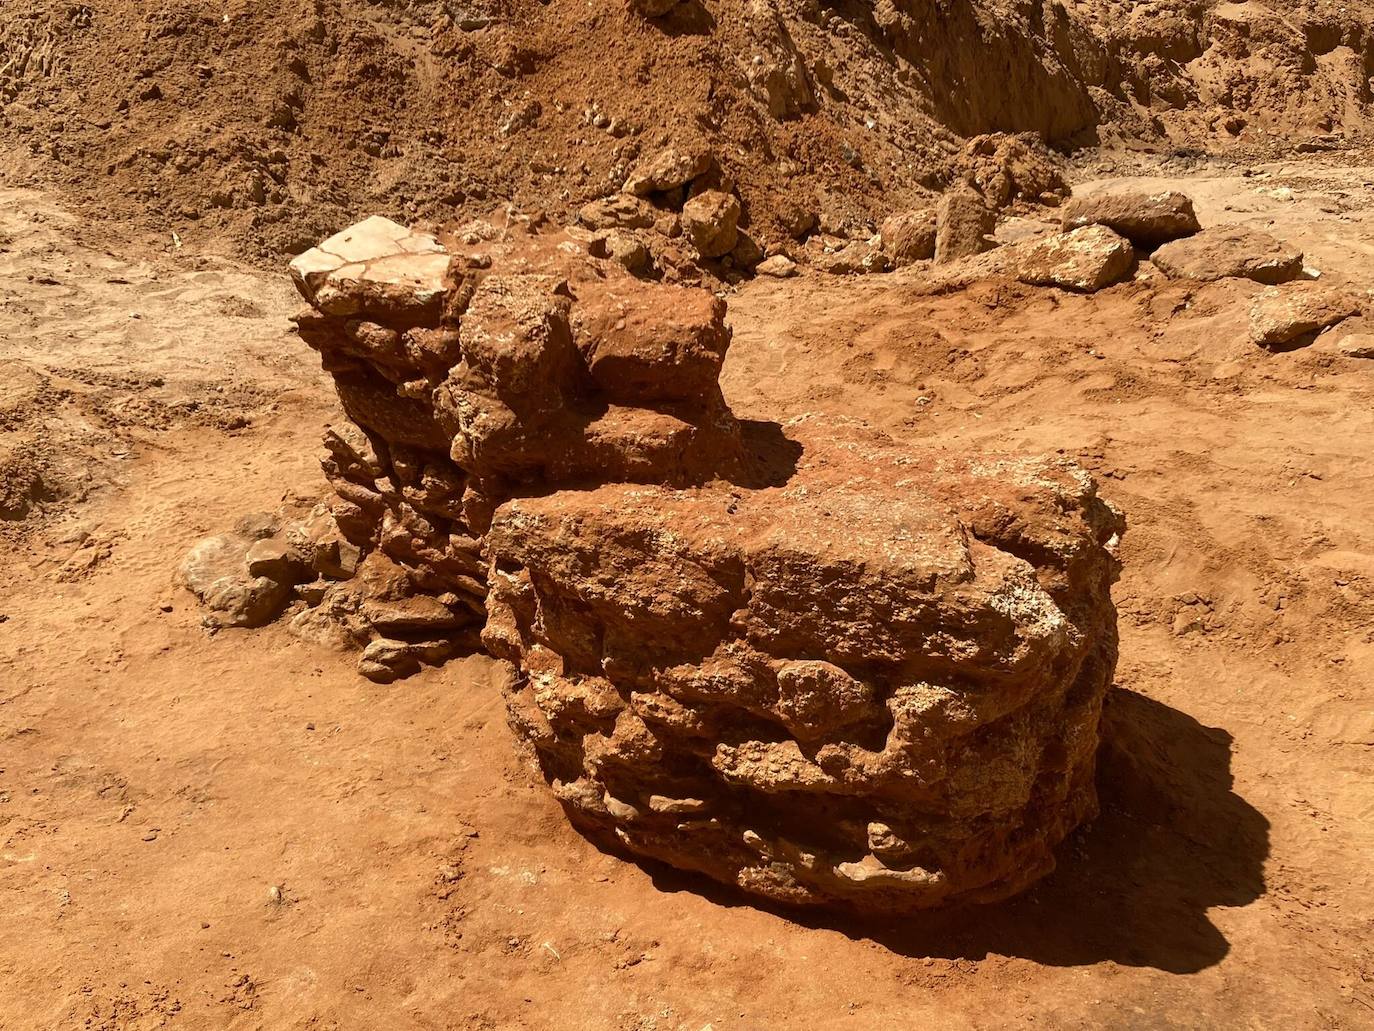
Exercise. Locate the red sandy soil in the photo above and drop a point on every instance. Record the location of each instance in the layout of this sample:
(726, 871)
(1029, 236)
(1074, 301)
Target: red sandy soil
(236, 831)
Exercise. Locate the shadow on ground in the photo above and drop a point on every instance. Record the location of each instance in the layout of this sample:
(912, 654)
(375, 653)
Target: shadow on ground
(1134, 887)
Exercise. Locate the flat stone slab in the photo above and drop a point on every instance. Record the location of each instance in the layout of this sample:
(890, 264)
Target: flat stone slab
(1291, 315)
(1229, 252)
(374, 265)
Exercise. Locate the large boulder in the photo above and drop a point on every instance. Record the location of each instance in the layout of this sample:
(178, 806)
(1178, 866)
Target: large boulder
(1226, 252)
(877, 686)
(1084, 260)
(1146, 219)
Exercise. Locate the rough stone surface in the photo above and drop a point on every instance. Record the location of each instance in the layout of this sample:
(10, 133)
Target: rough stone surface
(542, 368)
(711, 219)
(1293, 314)
(909, 236)
(963, 226)
(670, 168)
(623, 211)
(649, 342)
(1229, 251)
(1146, 219)
(624, 248)
(1085, 259)
(779, 266)
(1357, 345)
(877, 686)
(216, 572)
(856, 258)
(823, 668)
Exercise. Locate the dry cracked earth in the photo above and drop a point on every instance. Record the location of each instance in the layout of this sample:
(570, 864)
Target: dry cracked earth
(234, 830)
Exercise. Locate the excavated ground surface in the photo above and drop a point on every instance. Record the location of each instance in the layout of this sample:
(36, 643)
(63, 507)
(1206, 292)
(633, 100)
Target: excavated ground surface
(237, 831)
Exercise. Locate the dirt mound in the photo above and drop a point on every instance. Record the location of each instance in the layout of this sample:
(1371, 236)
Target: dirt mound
(274, 125)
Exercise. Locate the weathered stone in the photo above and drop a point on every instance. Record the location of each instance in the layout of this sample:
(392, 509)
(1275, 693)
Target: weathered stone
(909, 236)
(667, 170)
(625, 249)
(375, 266)
(1291, 315)
(878, 686)
(856, 258)
(1357, 345)
(216, 572)
(779, 266)
(277, 560)
(963, 226)
(1229, 251)
(746, 253)
(622, 211)
(385, 660)
(416, 613)
(645, 342)
(1146, 219)
(711, 219)
(515, 337)
(1085, 259)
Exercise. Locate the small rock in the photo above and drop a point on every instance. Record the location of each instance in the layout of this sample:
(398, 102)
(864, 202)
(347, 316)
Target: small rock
(853, 259)
(385, 660)
(746, 253)
(667, 170)
(712, 219)
(216, 572)
(1357, 345)
(275, 559)
(779, 266)
(419, 612)
(625, 249)
(623, 211)
(257, 525)
(1293, 314)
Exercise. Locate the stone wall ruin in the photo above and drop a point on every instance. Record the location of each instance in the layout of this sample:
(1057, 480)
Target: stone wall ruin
(805, 660)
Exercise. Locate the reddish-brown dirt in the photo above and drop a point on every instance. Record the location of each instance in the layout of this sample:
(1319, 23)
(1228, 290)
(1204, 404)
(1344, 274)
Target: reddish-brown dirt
(234, 830)
(237, 831)
(263, 127)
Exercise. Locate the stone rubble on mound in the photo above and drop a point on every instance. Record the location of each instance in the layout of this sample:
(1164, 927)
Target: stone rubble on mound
(804, 660)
